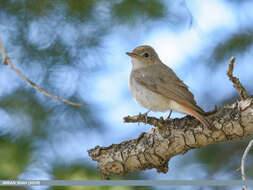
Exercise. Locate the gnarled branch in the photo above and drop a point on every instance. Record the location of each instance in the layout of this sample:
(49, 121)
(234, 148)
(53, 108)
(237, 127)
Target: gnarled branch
(171, 137)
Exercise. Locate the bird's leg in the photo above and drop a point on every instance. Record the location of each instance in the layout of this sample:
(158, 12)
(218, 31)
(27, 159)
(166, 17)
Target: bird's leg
(212, 112)
(146, 116)
(169, 115)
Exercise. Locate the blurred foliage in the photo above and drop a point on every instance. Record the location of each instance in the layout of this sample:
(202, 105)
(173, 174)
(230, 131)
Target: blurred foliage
(61, 33)
(129, 11)
(82, 9)
(237, 43)
(14, 157)
(212, 156)
(79, 172)
(21, 101)
(38, 34)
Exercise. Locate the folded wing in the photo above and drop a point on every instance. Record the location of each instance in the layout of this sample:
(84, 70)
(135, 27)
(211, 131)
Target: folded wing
(165, 82)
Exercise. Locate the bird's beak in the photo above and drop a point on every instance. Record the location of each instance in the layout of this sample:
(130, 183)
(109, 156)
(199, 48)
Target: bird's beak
(133, 55)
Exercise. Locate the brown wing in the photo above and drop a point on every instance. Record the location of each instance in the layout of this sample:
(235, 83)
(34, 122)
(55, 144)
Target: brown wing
(164, 81)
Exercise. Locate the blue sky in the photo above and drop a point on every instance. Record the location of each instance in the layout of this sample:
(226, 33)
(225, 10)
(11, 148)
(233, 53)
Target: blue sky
(212, 21)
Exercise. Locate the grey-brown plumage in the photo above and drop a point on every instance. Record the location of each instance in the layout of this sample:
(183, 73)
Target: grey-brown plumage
(156, 87)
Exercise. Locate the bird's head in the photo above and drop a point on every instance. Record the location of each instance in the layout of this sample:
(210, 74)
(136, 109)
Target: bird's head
(143, 56)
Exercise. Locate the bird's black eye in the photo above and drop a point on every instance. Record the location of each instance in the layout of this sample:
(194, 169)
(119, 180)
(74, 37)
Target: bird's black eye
(145, 55)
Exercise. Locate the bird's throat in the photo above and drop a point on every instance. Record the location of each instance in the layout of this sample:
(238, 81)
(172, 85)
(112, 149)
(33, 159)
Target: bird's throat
(137, 64)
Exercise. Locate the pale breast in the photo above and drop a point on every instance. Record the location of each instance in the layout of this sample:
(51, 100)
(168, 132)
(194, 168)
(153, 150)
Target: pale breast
(147, 98)
(151, 100)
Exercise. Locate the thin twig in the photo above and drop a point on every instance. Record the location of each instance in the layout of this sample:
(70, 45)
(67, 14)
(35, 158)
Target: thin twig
(236, 82)
(244, 187)
(3, 53)
(8, 62)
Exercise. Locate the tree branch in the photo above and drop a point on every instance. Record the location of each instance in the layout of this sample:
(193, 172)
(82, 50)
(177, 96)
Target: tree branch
(7, 61)
(236, 82)
(243, 163)
(173, 137)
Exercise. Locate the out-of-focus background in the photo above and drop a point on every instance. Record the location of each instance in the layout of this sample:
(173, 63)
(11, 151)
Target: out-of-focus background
(76, 49)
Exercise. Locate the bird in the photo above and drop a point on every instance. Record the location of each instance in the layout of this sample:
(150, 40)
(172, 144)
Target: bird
(156, 87)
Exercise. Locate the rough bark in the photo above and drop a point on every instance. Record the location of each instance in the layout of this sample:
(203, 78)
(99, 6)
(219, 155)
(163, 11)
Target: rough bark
(173, 137)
